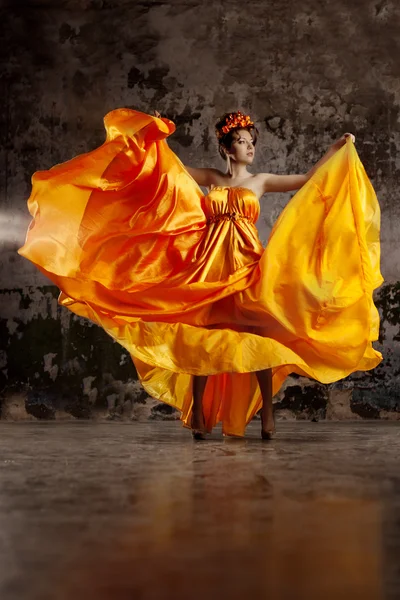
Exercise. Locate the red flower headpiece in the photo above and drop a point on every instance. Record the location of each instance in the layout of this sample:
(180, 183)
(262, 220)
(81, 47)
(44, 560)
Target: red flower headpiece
(234, 121)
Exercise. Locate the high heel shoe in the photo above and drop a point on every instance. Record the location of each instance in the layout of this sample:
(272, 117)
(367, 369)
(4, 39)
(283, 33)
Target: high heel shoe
(268, 435)
(198, 434)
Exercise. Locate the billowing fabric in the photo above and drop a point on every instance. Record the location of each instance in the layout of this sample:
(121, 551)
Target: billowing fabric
(182, 281)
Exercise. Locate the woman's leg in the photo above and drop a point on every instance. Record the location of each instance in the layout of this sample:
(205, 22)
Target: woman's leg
(199, 384)
(264, 378)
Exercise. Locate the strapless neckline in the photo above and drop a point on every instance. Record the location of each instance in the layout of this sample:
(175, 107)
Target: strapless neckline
(230, 187)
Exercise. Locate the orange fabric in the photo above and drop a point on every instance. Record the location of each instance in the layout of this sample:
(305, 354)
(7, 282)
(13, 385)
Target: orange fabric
(186, 286)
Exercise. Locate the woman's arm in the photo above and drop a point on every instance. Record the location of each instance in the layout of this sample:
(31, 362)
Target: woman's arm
(288, 183)
(204, 177)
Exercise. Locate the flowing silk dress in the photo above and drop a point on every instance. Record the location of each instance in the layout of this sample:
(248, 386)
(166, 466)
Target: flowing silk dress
(182, 281)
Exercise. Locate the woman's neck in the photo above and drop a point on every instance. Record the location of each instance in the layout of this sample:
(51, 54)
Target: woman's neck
(238, 172)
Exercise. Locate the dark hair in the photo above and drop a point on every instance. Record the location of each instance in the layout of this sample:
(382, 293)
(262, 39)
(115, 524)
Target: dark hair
(227, 139)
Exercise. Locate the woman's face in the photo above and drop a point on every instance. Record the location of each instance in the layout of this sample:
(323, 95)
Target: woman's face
(242, 149)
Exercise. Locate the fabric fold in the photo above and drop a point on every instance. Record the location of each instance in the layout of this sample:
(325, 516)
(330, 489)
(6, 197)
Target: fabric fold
(135, 246)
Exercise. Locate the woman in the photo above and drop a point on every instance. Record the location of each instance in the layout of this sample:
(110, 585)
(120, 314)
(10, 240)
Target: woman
(237, 138)
(181, 279)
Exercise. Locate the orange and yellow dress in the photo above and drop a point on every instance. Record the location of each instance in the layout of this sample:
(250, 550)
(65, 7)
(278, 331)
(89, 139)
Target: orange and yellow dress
(182, 281)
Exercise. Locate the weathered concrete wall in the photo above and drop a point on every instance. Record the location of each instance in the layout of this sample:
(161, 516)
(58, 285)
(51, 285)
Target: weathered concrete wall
(306, 72)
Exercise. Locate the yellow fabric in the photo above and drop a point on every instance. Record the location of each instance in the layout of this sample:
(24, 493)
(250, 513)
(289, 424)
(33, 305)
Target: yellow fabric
(182, 281)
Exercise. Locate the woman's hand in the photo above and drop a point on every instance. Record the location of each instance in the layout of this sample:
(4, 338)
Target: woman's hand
(297, 179)
(342, 140)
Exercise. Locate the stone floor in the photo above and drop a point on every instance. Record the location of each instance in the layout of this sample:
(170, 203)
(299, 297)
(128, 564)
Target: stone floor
(141, 511)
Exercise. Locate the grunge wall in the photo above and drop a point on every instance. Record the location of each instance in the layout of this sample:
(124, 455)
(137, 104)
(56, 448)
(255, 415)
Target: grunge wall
(306, 72)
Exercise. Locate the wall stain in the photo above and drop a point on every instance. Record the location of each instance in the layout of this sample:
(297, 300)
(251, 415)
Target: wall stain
(191, 65)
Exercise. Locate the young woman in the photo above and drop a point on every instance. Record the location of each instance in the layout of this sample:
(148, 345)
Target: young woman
(213, 321)
(237, 138)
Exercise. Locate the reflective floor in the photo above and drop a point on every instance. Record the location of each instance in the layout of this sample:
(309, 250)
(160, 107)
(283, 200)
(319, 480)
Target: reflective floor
(138, 511)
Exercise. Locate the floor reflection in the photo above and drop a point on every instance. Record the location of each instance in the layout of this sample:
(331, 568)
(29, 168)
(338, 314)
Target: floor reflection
(231, 535)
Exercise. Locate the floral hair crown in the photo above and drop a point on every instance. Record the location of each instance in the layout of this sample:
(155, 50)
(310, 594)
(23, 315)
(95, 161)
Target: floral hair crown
(234, 121)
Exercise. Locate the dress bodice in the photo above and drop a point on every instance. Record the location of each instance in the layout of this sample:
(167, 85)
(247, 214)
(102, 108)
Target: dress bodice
(231, 203)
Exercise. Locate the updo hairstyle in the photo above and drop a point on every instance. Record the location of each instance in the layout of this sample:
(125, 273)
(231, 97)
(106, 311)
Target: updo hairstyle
(228, 124)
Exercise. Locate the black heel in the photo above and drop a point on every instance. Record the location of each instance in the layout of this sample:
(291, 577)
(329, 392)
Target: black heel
(197, 434)
(267, 435)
